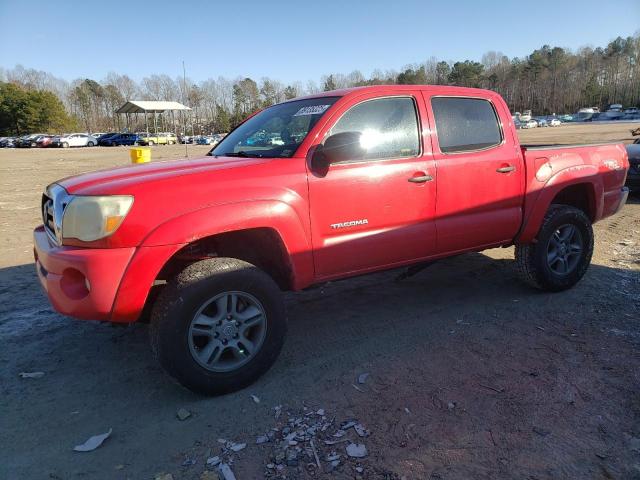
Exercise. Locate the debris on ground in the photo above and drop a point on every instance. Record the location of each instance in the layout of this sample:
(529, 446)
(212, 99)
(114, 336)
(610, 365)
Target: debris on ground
(236, 447)
(31, 374)
(255, 398)
(188, 462)
(356, 450)
(93, 442)
(310, 441)
(213, 461)
(362, 378)
(183, 414)
(226, 472)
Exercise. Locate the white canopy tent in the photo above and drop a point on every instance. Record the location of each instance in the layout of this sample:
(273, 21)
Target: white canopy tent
(148, 106)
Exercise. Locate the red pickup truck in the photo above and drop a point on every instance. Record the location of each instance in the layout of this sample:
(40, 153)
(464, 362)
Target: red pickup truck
(314, 189)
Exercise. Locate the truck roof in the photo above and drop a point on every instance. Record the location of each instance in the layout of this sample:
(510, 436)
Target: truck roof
(400, 88)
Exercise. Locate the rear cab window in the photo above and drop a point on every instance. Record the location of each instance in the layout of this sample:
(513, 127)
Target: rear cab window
(465, 124)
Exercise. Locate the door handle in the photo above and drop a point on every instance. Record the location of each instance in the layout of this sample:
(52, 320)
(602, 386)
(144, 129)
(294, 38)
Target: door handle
(421, 179)
(508, 169)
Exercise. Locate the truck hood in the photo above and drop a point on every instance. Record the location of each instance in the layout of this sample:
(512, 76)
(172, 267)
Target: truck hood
(120, 180)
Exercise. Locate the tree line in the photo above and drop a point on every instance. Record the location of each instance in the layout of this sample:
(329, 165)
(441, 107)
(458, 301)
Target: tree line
(549, 80)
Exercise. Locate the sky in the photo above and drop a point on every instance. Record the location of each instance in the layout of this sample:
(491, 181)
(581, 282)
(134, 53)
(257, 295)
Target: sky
(290, 40)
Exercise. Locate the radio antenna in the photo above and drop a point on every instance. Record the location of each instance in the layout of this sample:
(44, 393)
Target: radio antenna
(184, 117)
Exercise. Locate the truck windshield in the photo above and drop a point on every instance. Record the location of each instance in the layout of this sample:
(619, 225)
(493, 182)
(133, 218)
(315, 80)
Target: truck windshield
(277, 131)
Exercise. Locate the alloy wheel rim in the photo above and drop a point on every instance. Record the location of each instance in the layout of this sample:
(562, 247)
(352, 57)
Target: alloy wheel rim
(227, 331)
(564, 249)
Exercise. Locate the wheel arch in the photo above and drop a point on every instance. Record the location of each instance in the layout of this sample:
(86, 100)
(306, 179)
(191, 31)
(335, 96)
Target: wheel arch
(260, 246)
(585, 193)
(267, 234)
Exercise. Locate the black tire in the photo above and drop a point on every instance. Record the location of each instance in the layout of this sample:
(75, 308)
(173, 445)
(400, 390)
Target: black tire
(183, 298)
(532, 258)
(91, 144)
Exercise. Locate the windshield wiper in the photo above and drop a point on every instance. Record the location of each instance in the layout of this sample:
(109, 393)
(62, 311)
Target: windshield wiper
(241, 153)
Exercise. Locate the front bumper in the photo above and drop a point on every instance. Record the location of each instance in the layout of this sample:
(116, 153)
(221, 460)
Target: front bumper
(80, 282)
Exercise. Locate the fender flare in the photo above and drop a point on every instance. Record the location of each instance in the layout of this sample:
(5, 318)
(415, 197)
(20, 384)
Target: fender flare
(222, 218)
(159, 246)
(540, 195)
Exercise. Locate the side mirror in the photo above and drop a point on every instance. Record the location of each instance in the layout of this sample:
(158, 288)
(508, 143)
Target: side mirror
(341, 147)
(344, 146)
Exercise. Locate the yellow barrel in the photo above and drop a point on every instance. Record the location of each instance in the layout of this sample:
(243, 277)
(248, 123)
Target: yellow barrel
(140, 155)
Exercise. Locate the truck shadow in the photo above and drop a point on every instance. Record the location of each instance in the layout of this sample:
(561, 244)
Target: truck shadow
(342, 324)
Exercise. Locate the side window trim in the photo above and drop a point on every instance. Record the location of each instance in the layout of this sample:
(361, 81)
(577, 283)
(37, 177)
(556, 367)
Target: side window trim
(495, 112)
(418, 128)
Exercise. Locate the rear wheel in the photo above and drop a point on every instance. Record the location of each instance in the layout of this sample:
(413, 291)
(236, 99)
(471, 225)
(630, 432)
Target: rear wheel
(218, 326)
(91, 144)
(562, 252)
(65, 145)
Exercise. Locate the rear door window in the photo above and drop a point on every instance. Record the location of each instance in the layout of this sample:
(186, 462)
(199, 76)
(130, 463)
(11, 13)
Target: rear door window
(465, 124)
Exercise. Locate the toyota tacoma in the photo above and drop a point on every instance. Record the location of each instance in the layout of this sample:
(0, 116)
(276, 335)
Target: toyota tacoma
(361, 180)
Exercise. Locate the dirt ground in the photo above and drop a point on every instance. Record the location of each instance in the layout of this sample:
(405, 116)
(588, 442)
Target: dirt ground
(471, 374)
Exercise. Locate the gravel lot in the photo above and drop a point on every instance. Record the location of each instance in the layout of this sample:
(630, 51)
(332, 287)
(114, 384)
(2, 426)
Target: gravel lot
(471, 374)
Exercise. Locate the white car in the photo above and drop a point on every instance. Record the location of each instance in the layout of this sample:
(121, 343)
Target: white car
(554, 122)
(530, 124)
(75, 140)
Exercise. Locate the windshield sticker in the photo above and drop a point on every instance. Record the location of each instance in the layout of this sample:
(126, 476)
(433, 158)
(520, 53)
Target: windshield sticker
(311, 110)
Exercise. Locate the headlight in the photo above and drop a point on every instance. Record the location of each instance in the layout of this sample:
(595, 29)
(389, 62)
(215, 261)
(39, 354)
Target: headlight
(93, 218)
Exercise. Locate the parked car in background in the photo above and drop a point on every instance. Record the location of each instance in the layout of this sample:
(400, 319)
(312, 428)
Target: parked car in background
(104, 138)
(120, 139)
(555, 122)
(7, 142)
(529, 124)
(159, 139)
(542, 122)
(44, 141)
(28, 141)
(74, 140)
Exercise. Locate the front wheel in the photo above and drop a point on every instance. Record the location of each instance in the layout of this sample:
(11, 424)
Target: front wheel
(218, 325)
(562, 252)
(91, 144)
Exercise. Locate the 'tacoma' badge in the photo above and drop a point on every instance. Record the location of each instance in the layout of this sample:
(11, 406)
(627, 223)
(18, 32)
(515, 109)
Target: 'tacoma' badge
(351, 223)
